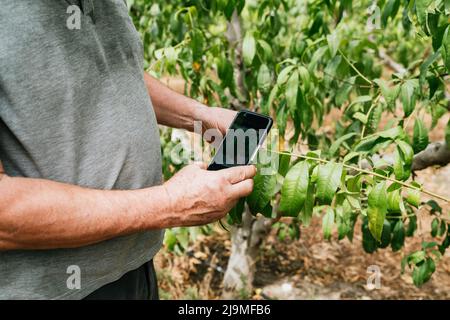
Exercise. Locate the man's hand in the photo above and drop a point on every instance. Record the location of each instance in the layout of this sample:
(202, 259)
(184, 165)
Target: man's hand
(215, 118)
(199, 197)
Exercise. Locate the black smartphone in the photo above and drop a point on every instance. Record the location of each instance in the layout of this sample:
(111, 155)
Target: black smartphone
(242, 141)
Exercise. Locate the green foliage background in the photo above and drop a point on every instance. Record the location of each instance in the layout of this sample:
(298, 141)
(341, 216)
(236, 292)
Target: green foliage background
(297, 61)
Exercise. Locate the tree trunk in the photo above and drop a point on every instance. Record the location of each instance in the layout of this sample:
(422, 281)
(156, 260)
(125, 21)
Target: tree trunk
(245, 243)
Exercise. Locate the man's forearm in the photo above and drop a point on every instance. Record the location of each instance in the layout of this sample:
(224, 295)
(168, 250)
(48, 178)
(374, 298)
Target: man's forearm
(42, 214)
(171, 108)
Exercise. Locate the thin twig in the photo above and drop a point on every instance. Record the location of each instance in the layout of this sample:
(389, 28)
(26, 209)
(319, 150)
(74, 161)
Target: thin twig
(372, 173)
(354, 68)
(346, 81)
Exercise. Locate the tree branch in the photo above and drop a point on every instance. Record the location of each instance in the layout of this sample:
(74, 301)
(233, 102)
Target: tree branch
(437, 153)
(234, 37)
(390, 63)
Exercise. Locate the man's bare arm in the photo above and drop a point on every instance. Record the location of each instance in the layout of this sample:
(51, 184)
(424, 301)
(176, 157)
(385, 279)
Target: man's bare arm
(178, 111)
(171, 108)
(42, 214)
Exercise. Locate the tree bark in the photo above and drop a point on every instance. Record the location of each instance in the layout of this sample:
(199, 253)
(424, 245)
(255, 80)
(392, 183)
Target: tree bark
(245, 243)
(234, 36)
(436, 154)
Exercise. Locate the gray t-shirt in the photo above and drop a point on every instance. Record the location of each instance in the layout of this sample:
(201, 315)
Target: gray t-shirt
(74, 108)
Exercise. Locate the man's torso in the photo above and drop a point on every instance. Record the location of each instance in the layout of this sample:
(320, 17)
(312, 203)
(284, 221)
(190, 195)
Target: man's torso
(74, 109)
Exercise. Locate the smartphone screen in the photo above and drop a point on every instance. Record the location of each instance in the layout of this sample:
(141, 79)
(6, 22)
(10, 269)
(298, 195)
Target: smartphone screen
(242, 141)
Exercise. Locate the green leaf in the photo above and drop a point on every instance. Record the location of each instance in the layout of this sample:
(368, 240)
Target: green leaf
(283, 76)
(284, 162)
(292, 91)
(398, 166)
(240, 4)
(408, 96)
(267, 211)
(264, 78)
(327, 223)
(394, 200)
(235, 214)
(305, 78)
(228, 9)
(281, 119)
(385, 235)
(369, 243)
(328, 180)
(170, 239)
(171, 55)
(349, 156)
(416, 257)
(317, 55)
(370, 142)
(377, 208)
(333, 43)
(434, 227)
(389, 11)
(197, 44)
(428, 245)
(442, 229)
(420, 137)
(249, 49)
(269, 105)
(422, 13)
(412, 226)
(445, 51)
(434, 207)
(424, 272)
(264, 186)
(226, 72)
(360, 116)
(294, 189)
(413, 197)
(398, 236)
(267, 49)
(374, 118)
(425, 65)
(445, 244)
(183, 237)
(343, 91)
(403, 157)
(389, 94)
(392, 133)
(306, 213)
(406, 151)
(361, 99)
(336, 144)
